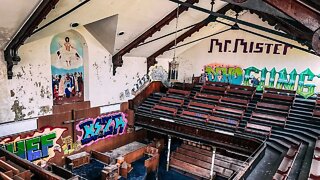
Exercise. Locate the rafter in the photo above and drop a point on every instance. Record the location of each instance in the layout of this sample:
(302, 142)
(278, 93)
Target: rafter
(117, 58)
(11, 51)
(151, 60)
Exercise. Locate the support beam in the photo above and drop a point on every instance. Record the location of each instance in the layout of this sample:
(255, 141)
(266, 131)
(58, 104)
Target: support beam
(117, 58)
(212, 162)
(168, 154)
(11, 51)
(298, 11)
(151, 60)
(302, 14)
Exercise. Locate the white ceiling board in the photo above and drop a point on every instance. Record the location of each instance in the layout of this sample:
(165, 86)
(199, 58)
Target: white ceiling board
(13, 14)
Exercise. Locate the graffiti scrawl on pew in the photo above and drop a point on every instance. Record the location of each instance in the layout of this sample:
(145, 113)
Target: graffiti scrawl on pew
(105, 126)
(301, 83)
(38, 147)
(240, 45)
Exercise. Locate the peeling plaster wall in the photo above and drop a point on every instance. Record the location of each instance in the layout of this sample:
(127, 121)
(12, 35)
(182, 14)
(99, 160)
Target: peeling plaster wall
(5, 113)
(30, 88)
(194, 59)
(29, 93)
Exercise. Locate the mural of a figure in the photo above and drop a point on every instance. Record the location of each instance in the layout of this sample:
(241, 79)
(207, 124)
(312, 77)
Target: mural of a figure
(67, 67)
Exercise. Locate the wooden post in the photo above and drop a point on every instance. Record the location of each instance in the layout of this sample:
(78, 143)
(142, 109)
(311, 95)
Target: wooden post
(168, 155)
(212, 162)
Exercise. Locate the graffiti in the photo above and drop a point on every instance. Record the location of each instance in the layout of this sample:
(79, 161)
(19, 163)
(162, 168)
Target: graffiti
(105, 126)
(141, 83)
(67, 52)
(158, 73)
(224, 73)
(38, 147)
(68, 146)
(240, 45)
(283, 80)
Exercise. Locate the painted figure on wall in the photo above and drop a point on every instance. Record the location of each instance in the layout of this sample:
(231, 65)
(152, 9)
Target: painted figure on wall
(67, 67)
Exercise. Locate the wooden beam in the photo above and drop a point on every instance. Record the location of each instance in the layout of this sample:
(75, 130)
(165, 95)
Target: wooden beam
(11, 51)
(117, 58)
(298, 11)
(151, 60)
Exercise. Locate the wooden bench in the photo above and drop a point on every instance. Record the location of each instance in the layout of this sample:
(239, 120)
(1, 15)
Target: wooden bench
(316, 113)
(194, 116)
(268, 97)
(189, 168)
(273, 108)
(279, 91)
(164, 109)
(207, 97)
(268, 119)
(179, 92)
(287, 163)
(213, 89)
(228, 112)
(243, 94)
(200, 106)
(217, 84)
(218, 121)
(232, 102)
(258, 129)
(241, 87)
(172, 101)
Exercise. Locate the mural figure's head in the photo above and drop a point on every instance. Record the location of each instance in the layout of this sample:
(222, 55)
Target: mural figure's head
(67, 39)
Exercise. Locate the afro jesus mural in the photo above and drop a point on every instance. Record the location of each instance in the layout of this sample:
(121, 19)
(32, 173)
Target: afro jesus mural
(67, 67)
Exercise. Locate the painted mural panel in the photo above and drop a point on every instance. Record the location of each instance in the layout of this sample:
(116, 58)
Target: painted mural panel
(102, 127)
(67, 52)
(262, 77)
(38, 147)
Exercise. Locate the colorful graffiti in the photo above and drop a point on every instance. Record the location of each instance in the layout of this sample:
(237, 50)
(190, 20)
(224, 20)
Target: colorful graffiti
(67, 52)
(38, 147)
(68, 146)
(224, 73)
(262, 78)
(105, 126)
(283, 80)
(241, 45)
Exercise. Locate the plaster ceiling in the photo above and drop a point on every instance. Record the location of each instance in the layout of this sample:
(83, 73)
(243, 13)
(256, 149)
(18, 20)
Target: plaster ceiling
(13, 14)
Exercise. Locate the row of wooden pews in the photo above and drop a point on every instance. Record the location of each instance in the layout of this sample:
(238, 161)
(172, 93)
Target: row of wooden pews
(286, 164)
(197, 161)
(315, 166)
(10, 171)
(272, 110)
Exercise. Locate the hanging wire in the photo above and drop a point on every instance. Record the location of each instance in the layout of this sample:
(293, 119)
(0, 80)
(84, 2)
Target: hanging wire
(176, 34)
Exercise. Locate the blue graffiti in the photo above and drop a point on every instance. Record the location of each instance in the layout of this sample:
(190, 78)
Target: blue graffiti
(95, 129)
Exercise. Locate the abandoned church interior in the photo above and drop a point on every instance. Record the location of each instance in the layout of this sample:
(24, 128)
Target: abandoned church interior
(159, 89)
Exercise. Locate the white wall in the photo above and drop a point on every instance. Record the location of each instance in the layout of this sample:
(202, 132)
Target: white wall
(194, 59)
(31, 93)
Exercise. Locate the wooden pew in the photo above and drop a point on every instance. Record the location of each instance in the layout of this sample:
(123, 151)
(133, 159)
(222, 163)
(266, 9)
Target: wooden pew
(200, 107)
(207, 97)
(258, 129)
(243, 94)
(315, 165)
(172, 101)
(179, 92)
(268, 97)
(316, 113)
(164, 109)
(218, 121)
(228, 112)
(268, 119)
(189, 168)
(287, 163)
(273, 108)
(280, 91)
(213, 90)
(7, 167)
(194, 116)
(241, 87)
(4, 176)
(217, 84)
(232, 102)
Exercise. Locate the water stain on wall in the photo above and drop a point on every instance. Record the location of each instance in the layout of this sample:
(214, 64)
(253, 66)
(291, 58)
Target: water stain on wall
(45, 110)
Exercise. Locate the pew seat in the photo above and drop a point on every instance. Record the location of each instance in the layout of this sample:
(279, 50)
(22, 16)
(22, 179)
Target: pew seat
(207, 97)
(213, 90)
(172, 101)
(200, 106)
(258, 129)
(268, 119)
(164, 109)
(178, 92)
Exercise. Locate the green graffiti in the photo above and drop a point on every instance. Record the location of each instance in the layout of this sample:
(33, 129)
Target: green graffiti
(232, 75)
(302, 86)
(247, 74)
(273, 73)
